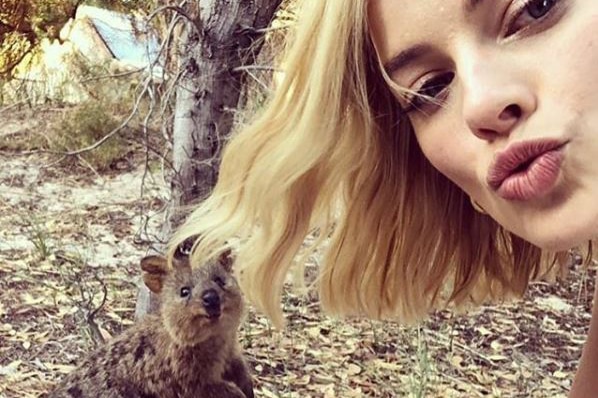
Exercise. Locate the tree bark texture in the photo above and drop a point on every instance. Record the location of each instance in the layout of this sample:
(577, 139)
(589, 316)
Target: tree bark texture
(210, 89)
(226, 35)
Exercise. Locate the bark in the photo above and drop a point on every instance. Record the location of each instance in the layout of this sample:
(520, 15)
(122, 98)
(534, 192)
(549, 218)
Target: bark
(226, 35)
(210, 90)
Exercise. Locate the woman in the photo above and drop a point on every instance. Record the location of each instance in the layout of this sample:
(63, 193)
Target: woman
(442, 150)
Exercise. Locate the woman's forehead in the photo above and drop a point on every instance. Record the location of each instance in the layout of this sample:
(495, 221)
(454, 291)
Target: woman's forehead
(398, 24)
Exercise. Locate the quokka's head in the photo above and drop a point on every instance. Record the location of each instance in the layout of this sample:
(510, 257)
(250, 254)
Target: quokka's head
(196, 303)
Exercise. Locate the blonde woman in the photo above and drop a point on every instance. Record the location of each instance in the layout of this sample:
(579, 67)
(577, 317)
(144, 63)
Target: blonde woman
(444, 150)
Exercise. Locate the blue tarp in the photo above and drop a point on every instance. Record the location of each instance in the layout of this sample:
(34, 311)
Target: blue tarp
(133, 46)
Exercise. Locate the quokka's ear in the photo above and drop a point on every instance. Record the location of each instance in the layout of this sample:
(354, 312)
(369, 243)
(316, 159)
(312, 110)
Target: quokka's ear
(183, 250)
(225, 259)
(155, 269)
(182, 253)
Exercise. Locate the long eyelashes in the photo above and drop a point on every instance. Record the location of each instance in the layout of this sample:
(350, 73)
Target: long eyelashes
(535, 11)
(431, 93)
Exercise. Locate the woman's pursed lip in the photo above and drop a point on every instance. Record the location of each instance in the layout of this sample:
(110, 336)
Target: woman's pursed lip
(516, 157)
(538, 179)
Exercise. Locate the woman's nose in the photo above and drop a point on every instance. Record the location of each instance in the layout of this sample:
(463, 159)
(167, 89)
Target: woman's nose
(496, 101)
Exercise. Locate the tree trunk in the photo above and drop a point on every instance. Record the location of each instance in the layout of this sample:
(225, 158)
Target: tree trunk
(226, 35)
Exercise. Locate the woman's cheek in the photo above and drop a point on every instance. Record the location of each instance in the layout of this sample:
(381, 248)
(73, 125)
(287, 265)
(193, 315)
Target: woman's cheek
(455, 157)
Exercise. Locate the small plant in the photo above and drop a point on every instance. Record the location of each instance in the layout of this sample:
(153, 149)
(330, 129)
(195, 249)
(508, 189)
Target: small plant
(84, 126)
(420, 378)
(40, 239)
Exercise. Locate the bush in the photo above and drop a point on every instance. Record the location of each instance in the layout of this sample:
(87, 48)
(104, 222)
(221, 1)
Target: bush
(83, 126)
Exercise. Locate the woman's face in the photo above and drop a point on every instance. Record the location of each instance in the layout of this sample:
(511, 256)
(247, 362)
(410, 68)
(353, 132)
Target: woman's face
(514, 115)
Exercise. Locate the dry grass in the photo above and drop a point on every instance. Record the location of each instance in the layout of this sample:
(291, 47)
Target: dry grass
(65, 238)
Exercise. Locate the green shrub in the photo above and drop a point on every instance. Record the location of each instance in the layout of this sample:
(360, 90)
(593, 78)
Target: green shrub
(85, 125)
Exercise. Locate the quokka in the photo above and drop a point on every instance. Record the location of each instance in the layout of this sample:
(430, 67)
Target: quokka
(188, 349)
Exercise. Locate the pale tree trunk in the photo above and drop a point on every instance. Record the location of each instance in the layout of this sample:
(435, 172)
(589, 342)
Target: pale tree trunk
(225, 36)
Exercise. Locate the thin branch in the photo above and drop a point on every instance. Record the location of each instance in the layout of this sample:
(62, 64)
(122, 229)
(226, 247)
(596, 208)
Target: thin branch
(90, 318)
(248, 68)
(258, 81)
(178, 10)
(268, 29)
(16, 104)
(90, 167)
(47, 166)
(92, 314)
(153, 150)
(463, 347)
(113, 76)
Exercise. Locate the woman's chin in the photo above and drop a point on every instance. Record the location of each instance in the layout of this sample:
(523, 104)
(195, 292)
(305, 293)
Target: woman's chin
(566, 236)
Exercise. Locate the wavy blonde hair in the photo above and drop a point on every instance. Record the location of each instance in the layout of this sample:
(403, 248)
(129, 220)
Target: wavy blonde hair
(331, 155)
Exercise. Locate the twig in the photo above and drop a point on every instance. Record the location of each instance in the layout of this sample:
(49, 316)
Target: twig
(146, 145)
(112, 76)
(179, 10)
(268, 29)
(463, 347)
(267, 68)
(153, 150)
(258, 81)
(16, 104)
(92, 314)
(46, 166)
(90, 167)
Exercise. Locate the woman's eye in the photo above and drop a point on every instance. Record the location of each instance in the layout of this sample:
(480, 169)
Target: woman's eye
(530, 12)
(185, 292)
(537, 9)
(431, 92)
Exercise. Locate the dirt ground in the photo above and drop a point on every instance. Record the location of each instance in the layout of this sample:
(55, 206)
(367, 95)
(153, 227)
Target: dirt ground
(67, 236)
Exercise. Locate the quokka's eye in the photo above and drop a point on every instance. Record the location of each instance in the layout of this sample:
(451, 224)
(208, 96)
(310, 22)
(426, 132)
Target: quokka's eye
(220, 281)
(185, 292)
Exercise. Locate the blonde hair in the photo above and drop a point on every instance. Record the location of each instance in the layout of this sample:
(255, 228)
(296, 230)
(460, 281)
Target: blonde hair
(331, 155)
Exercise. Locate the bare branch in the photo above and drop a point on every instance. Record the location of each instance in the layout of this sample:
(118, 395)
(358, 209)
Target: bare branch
(180, 11)
(112, 76)
(258, 81)
(90, 318)
(247, 68)
(268, 29)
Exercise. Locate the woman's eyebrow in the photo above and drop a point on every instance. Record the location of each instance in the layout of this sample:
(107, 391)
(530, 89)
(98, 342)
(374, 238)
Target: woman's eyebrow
(406, 57)
(410, 55)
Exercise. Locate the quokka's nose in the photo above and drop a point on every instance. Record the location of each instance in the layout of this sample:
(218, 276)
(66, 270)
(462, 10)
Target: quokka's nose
(211, 302)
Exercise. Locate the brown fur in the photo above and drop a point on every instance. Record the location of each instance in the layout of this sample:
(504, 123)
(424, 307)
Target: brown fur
(190, 349)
